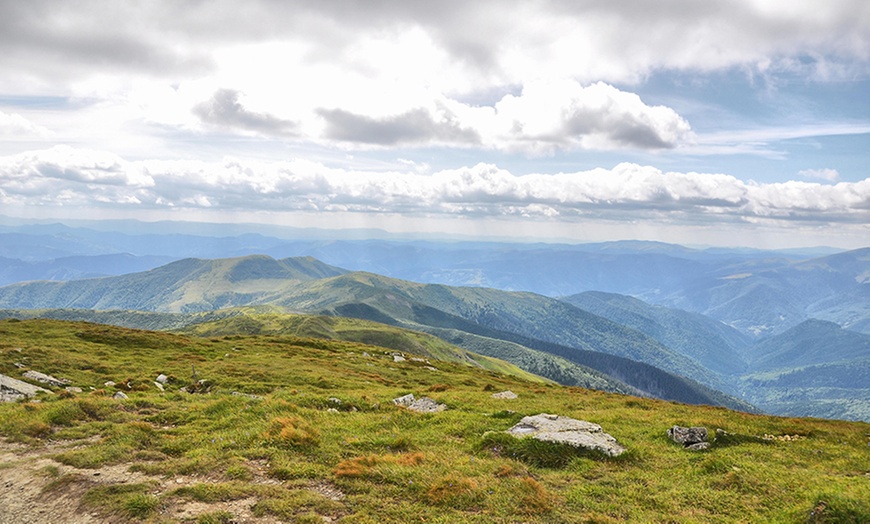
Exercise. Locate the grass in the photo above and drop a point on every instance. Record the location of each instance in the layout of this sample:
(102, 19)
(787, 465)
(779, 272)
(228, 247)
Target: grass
(301, 456)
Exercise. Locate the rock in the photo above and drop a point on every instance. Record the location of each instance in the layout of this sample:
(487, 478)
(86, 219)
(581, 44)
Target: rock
(333, 400)
(109, 384)
(120, 395)
(505, 394)
(159, 386)
(687, 436)
(12, 389)
(698, 446)
(46, 379)
(566, 430)
(163, 379)
(73, 389)
(420, 405)
(247, 395)
(332, 410)
(398, 358)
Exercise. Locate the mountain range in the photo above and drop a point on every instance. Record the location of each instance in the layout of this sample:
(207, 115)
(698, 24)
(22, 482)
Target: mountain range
(621, 342)
(759, 292)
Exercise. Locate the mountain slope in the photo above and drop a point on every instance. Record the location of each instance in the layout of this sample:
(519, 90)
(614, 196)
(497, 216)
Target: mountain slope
(713, 344)
(526, 314)
(811, 342)
(292, 429)
(182, 286)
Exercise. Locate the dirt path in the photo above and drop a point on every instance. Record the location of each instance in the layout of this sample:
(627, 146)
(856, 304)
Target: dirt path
(25, 473)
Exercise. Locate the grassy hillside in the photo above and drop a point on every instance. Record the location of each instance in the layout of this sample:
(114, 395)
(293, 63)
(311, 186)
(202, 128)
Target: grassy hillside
(711, 343)
(293, 429)
(304, 285)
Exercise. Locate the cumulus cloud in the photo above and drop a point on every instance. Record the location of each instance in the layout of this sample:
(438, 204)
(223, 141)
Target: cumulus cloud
(415, 126)
(831, 175)
(16, 125)
(627, 192)
(566, 115)
(224, 110)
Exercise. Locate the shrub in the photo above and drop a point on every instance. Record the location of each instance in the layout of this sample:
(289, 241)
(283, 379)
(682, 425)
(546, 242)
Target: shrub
(455, 491)
(292, 431)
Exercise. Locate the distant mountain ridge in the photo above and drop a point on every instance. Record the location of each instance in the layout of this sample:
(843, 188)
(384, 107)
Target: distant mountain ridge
(760, 293)
(306, 285)
(611, 334)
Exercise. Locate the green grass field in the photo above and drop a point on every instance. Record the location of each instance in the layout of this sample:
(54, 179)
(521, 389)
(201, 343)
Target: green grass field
(304, 430)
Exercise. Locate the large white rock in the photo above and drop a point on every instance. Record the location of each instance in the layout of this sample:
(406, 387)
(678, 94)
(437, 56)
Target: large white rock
(566, 430)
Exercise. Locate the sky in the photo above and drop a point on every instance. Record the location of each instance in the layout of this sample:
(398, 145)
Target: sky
(716, 122)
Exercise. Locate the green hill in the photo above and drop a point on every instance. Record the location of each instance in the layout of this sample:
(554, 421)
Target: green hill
(202, 285)
(811, 342)
(281, 428)
(713, 344)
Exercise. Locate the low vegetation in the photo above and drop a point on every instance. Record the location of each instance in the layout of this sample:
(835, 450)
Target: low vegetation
(295, 429)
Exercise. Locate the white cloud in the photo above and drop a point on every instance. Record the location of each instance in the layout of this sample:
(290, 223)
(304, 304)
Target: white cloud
(831, 175)
(64, 176)
(14, 125)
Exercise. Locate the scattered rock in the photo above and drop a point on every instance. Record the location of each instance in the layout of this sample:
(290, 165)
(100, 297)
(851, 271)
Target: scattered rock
(420, 405)
(566, 430)
(73, 389)
(430, 368)
(247, 395)
(109, 384)
(12, 389)
(505, 394)
(689, 437)
(333, 400)
(161, 378)
(120, 395)
(46, 379)
(417, 359)
(332, 410)
(159, 386)
(398, 358)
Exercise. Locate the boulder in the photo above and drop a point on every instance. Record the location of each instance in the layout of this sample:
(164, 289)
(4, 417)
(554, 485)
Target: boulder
(12, 389)
(120, 395)
(566, 430)
(688, 437)
(45, 379)
(510, 395)
(421, 405)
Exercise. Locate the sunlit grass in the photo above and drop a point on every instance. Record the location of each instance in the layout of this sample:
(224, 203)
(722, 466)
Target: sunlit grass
(315, 435)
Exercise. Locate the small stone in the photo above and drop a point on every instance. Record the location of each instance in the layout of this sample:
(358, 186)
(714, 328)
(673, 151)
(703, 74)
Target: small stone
(510, 395)
(687, 436)
(698, 446)
(159, 386)
(163, 379)
(73, 389)
(332, 410)
(109, 384)
(398, 358)
(120, 395)
(333, 400)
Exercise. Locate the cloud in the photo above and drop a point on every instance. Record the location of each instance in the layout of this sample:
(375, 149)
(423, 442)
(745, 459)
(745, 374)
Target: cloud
(415, 126)
(831, 175)
(224, 110)
(566, 115)
(16, 125)
(486, 43)
(66, 176)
